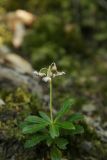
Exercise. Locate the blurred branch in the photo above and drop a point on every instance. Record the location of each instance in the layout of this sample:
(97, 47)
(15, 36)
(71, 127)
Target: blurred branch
(16, 22)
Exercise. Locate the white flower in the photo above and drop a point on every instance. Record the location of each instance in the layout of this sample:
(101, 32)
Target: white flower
(48, 73)
(60, 73)
(35, 73)
(46, 79)
(40, 74)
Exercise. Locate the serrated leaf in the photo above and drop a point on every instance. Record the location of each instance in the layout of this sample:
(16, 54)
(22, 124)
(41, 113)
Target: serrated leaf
(45, 116)
(23, 124)
(55, 154)
(65, 108)
(54, 131)
(61, 143)
(76, 117)
(66, 125)
(49, 141)
(34, 141)
(34, 119)
(78, 130)
(34, 128)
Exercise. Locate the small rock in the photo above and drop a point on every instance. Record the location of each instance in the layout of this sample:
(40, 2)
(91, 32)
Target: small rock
(86, 146)
(103, 135)
(105, 125)
(89, 108)
(94, 122)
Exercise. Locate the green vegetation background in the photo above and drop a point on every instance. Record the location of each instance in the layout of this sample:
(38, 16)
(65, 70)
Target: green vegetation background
(71, 33)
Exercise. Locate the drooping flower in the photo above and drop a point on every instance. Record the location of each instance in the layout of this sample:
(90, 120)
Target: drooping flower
(47, 74)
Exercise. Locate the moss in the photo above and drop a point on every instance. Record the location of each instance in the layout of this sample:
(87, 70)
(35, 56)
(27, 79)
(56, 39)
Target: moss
(19, 104)
(4, 32)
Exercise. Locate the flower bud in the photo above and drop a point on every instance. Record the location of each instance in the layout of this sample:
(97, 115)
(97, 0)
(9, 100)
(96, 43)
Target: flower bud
(53, 68)
(46, 79)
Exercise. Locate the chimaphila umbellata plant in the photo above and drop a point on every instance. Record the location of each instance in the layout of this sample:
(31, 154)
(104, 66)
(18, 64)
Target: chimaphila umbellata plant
(50, 128)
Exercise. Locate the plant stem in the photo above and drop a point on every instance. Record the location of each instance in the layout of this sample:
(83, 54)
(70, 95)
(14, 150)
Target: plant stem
(51, 109)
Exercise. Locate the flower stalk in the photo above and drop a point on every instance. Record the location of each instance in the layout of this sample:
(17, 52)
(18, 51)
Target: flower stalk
(47, 75)
(50, 105)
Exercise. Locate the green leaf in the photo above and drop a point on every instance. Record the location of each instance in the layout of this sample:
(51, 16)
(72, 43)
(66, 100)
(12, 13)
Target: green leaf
(76, 117)
(54, 131)
(34, 119)
(45, 116)
(55, 154)
(66, 125)
(34, 128)
(23, 124)
(65, 108)
(34, 141)
(78, 130)
(49, 141)
(61, 143)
